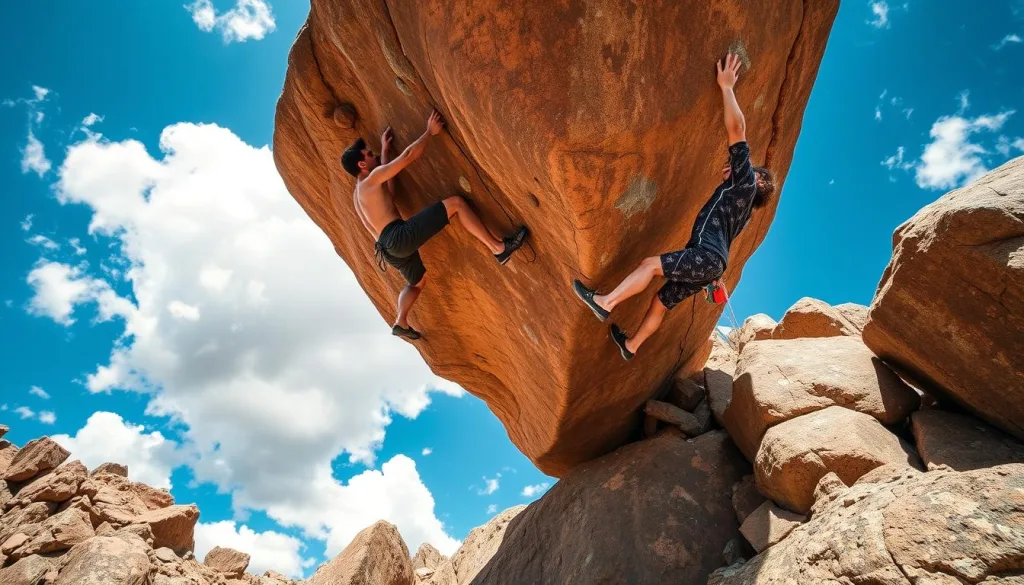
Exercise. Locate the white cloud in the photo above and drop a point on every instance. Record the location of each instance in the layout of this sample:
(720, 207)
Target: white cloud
(91, 119)
(896, 161)
(40, 92)
(533, 490)
(33, 157)
(37, 391)
(427, 451)
(965, 101)
(1008, 39)
(490, 486)
(880, 10)
(25, 412)
(107, 437)
(43, 242)
(26, 224)
(47, 417)
(492, 509)
(878, 113)
(953, 157)
(289, 357)
(76, 244)
(268, 550)
(249, 19)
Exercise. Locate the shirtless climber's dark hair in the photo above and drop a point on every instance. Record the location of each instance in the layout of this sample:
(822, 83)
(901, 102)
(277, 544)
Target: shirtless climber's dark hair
(352, 156)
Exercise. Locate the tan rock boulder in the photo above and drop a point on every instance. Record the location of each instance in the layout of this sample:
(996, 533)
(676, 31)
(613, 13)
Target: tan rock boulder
(962, 442)
(940, 527)
(60, 485)
(796, 454)
(153, 498)
(111, 468)
(950, 306)
(37, 456)
(778, 380)
(477, 550)
(427, 556)
(655, 511)
(173, 527)
(7, 453)
(768, 525)
(27, 571)
(106, 560)
(530, 143)
(57, 533)
(3, 430)
(34, 513)
(114, 499)
(723, 357)
(376, 556)
(227, 560)
(754, 328)
(746, 498)
(813, 318)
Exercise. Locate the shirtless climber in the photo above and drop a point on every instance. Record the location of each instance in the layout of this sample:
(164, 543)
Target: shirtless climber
(398, 239)
(744, 188)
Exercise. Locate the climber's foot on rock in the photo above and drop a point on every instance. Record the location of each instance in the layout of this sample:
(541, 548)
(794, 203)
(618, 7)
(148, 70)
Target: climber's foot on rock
(406, 332)
(587, 296)
(620, 338)
(512, 243)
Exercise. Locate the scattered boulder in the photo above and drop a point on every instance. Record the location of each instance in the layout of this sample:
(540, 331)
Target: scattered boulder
(427, 556)
(926, 528)
(723, 357)
(7, 453)
(227, 560)
(655, 511)
(531, 144)
(34, 513)
(950, 306)
(37, 456)
(754, 328)
(57, 533)
(111, 468)
(746, 498)
(107, 560)
(59, 485)
(476, 551)
(3, 430)
(173, 527)
(675, 416)
(796, 454)
(813, 318)
(778, 380)
(685, 393)
(153, 498)
(768, 525)
(828, 489)
(113, 499)
(962, 442)
(376, 556)
(26, 571)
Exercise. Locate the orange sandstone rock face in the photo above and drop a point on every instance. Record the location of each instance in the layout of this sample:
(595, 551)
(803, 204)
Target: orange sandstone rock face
(597, 124)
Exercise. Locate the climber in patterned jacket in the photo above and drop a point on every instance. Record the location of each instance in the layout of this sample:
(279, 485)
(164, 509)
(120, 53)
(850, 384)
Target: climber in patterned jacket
(744, 188)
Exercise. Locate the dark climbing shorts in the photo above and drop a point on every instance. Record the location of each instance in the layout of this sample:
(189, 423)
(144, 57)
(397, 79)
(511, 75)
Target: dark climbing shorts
(400, 240)
(688, 271)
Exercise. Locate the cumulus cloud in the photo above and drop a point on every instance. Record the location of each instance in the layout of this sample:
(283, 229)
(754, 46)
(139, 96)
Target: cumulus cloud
(426, 451)
(1007, 40)
(244, 327)
(490, 486)
(25, 412)
(534, 490)
(33, 156)
(268, 550)
(880, 11)
(107, 437)
(47, 417)
(26, 224)
(954, 157)
(249, 19)
(91, 119)
(37, 391)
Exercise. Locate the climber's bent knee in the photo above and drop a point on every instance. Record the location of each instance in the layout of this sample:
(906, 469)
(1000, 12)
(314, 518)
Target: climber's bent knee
(653, 264)
(455, 204)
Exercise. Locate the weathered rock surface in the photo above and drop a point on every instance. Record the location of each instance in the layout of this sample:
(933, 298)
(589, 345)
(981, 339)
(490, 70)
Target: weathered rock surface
(111, 468)
(656, 511)
(962, 442)
(376, 556)
(796, 454)
(723, 357)
(754, 328)
(7, 453)
(813, 318)
(940, 527)
(476, 551)
(60, 485)
(768, 525)
(778, 380)
(427, 557)
(949, 309)
(4, 429)
(746, 498)
(57, 533)
(536, 136)
(173, 527)
(37, 456)
(107, 560)
(26, 571)
(227, 560)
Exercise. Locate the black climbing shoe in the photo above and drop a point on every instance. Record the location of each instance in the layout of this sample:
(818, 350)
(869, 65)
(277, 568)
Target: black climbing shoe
(512, 243)
(620, 340)
(587, 296)
(410, 333)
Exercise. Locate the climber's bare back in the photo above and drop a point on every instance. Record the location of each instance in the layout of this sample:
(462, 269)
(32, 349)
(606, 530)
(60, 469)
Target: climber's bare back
(375, 204)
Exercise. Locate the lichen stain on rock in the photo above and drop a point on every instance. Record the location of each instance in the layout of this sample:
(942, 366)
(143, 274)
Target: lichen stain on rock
(638, 197)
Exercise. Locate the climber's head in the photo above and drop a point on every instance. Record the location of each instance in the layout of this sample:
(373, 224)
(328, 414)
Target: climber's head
(357, 159)
(765, 187)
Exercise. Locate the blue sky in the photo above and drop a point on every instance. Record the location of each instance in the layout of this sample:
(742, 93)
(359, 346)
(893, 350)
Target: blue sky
(133, 140)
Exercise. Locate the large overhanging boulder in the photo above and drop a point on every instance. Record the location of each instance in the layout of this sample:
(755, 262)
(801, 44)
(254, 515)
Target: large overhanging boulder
(597, 124)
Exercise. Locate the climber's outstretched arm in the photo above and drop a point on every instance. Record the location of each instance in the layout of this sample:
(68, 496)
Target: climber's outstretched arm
(728, 73)
(385, 157)
(386, 172)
